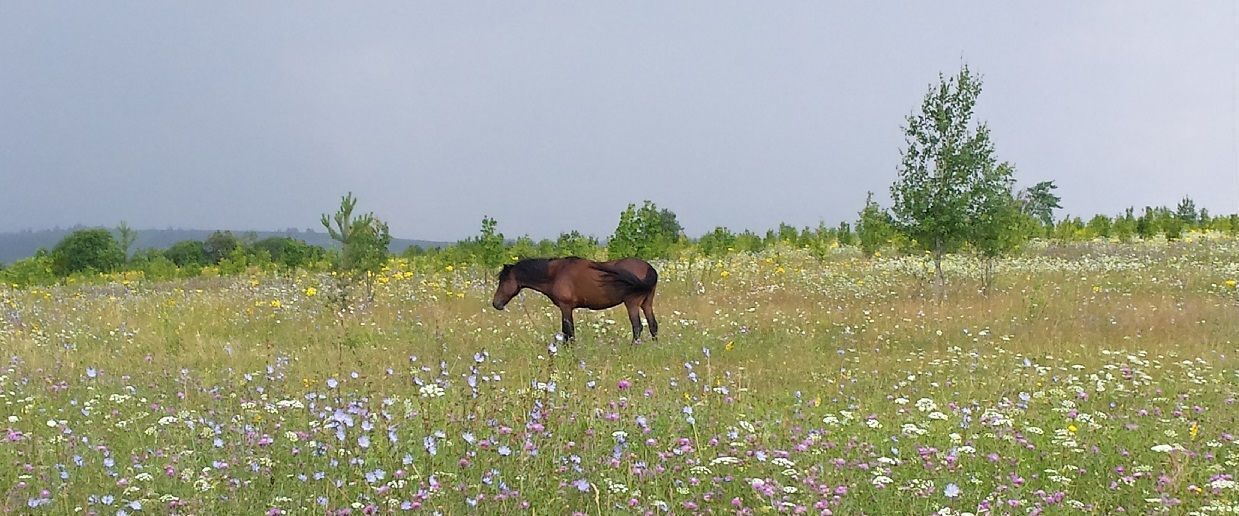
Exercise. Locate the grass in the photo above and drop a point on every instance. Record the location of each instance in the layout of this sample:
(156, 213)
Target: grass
(1099, 378)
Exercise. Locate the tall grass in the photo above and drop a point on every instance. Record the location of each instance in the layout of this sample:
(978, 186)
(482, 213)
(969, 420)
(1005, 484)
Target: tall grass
(1097, 380)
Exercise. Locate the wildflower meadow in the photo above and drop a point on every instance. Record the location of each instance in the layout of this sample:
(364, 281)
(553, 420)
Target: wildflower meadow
(1088, 378)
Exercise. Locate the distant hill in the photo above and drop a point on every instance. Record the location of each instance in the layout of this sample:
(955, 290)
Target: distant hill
(15, 246)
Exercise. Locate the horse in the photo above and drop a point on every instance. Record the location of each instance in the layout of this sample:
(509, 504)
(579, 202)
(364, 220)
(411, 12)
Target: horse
(575, 282)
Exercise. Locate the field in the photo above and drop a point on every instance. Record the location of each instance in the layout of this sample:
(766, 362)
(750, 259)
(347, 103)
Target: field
(1094, 378)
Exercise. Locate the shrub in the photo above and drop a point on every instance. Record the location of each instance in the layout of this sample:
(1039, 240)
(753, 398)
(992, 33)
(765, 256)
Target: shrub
(87, 250)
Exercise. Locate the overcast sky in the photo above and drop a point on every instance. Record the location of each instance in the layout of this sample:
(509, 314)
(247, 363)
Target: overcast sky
(554, 116)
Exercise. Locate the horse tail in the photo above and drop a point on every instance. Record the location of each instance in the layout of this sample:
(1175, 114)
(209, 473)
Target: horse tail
(630, 282)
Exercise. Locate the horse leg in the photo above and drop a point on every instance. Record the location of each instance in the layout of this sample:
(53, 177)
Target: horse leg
(568, 327)
(634, 317)
(647, 306)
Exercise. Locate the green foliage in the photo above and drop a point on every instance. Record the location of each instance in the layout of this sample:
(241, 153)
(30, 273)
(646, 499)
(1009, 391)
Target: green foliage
(948, 179)
(125, 236)
(364, 241)
(1125, 226)
(718, 242)
(1186, 211)
(87, 250)
(489, 248)
(289, 253)
(1039, 202)
(35, 270)
(524, 247)
(874, 228)
(644, 232)
(844, 234)
(1099, 226)
(219, 245)
(574, 243)
(997, 224)
(187, 253)
(1146, 225)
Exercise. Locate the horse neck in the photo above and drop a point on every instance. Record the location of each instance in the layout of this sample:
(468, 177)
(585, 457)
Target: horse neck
(543, 287)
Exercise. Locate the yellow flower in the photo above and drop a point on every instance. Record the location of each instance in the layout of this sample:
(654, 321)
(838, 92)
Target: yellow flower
(1071, 428)
(1194, 430)
(1096, 288)
(724, 274)
(729, 346)
(1230, 283)
(449, 268)
(275, 303)
(310, 291)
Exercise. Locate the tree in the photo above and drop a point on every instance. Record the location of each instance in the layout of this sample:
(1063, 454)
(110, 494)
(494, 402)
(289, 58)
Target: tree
(364, 241)
(219, 246)
(1039, 202)
(997, 225)
(126, 236)
(574, 243)
(1099, 226)
(874, 228)
(1125, 225)
(289, 252)
(644, 232)
(668, 225)
(87, 250)
(718, 242)
(186, 253)
(946, 168)
(1186, 211)
(489, 247)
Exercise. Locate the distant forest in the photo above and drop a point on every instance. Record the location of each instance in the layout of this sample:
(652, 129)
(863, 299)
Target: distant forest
(23, 244)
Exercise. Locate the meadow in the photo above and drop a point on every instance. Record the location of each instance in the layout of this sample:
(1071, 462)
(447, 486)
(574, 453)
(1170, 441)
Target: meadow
(1095, 377)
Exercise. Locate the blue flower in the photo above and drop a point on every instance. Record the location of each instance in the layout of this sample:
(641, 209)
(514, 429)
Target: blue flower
(951, 491)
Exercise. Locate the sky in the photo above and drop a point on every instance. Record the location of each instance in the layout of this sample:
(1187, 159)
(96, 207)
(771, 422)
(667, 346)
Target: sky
(553, 116)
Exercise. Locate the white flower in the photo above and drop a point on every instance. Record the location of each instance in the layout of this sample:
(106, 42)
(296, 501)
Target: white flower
(882, 481)
(926, 405)
(431, 390)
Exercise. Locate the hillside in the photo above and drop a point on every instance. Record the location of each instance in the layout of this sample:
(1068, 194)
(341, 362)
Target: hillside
(18, 245)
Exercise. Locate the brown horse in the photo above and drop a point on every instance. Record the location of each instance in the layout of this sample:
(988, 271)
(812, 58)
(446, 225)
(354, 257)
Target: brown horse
(579, 283)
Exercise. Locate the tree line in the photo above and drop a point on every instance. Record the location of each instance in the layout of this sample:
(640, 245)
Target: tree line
(951, 195)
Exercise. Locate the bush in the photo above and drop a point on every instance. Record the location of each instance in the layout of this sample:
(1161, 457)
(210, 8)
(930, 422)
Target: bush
(87, 250)
(187, 253)
(36, 270)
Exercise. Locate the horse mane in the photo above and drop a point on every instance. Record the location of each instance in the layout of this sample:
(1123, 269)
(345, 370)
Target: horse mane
(530, 271)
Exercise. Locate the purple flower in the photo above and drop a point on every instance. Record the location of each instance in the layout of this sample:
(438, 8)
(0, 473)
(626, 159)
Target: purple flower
(581, 485)
(332, 383)
(363, 441)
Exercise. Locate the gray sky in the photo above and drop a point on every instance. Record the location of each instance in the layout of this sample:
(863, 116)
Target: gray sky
(554, 116)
